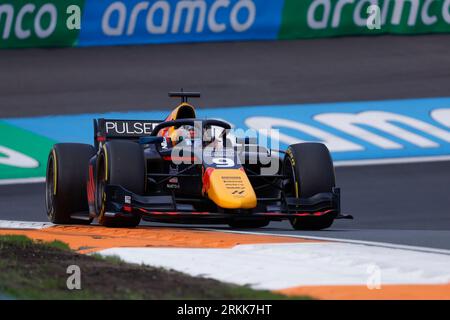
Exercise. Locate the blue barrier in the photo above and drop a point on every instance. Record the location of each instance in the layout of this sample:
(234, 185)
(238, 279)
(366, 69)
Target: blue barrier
(352, 130)
(110, 22)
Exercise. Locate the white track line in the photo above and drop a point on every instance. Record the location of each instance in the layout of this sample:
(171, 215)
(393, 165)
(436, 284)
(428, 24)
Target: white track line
(362, 242)
(22, 181)
(8, 224)
(371, 162)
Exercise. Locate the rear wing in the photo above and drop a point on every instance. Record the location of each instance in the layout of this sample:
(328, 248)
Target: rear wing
(109, 129)
(184, 95)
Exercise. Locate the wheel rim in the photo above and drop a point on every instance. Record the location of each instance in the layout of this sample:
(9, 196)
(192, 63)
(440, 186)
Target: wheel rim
(49, 188)
(100, 191)
(290, 191)
(289, 171)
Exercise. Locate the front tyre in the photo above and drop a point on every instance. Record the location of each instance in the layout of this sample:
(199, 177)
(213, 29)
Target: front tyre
(119, 163)
(310, 170)
(65, 183)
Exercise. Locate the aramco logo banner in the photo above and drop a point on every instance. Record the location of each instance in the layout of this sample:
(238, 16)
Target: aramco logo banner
(40, 23)
(325, 18)
(136, 21)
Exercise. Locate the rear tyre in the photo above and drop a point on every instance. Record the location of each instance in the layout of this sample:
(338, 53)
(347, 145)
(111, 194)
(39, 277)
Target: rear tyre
(249, 224)
(119, 163)
(310, 170)
(65, 183)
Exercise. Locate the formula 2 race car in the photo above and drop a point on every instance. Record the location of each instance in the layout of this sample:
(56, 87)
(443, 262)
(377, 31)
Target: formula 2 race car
(188, 170)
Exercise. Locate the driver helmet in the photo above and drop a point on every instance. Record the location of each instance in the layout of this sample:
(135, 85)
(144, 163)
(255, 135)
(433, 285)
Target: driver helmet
(183, 133)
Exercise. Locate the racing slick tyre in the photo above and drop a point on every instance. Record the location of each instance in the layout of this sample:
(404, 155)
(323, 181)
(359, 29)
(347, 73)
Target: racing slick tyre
(119, 163)
(248, 224)
(310, 170)
(65, 183)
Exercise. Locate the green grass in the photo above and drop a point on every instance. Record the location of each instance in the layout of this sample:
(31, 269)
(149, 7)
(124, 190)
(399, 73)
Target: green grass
(26, 282)
(38, 270)
(23, 242)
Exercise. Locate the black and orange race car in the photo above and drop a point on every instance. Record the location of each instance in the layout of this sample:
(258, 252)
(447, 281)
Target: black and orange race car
(188, 170)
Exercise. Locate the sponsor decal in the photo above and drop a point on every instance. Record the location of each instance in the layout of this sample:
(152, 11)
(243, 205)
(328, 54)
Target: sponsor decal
(16, 159)
(323, 18)
(39, 23)
(22, 154)
(136, 21)
(114, 128)
(359, 130)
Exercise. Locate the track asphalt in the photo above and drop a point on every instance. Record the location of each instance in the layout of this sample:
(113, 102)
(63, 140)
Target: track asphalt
(402, 204)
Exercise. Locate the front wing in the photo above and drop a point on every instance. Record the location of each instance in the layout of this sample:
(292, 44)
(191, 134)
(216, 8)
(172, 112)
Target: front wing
(123, 203)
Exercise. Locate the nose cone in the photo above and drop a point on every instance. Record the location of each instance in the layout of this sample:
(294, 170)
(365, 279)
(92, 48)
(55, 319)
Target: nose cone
(229, 188)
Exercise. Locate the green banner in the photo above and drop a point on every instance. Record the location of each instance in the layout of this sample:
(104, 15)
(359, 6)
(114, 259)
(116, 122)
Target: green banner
(325, 18)
(22, 154)
(39, 23)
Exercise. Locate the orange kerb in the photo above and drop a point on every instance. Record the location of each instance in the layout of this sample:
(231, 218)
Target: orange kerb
(85, 239)
(386, 292)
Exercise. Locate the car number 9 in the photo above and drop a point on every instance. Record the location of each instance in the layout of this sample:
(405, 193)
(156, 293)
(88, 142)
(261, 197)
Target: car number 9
(223, 162)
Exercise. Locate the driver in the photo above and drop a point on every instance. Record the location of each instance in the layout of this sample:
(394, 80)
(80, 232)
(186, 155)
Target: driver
(183, 133)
